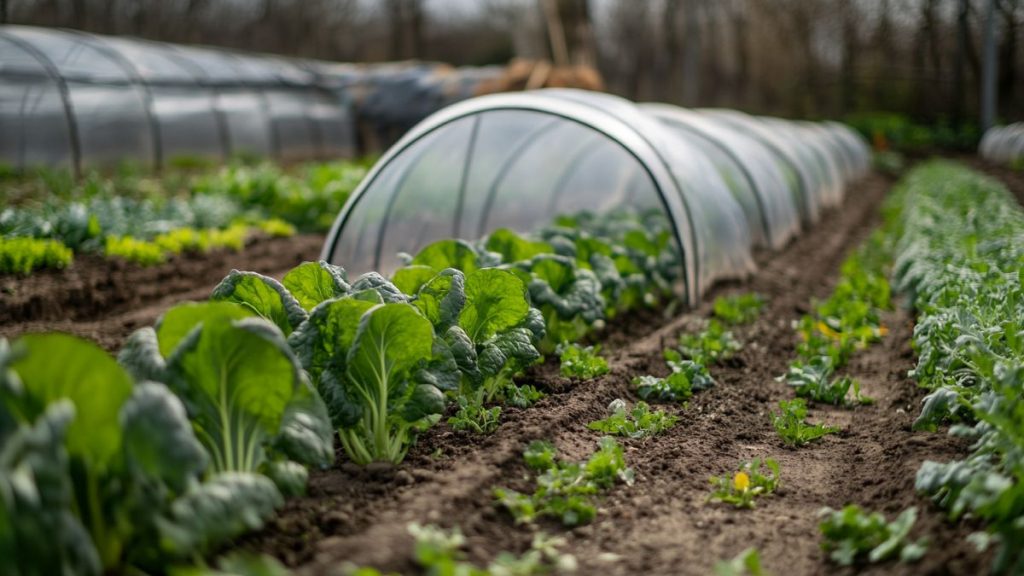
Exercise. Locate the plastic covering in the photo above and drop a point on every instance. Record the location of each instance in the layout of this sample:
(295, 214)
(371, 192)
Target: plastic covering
(1003, 144)
(71, 100)
(722, 181)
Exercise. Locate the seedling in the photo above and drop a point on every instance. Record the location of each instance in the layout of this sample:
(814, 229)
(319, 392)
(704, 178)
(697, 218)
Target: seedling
(639, 422)
(738, 309)
(582, 362)
(709, 346)
(474, 417)
(814, 380)
(852, 535)
(746, 563)
(792, 427)
(754, 479)
(566, 490)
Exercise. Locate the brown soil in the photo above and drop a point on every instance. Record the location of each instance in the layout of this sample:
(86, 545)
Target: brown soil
(105, 299)
(662, 524)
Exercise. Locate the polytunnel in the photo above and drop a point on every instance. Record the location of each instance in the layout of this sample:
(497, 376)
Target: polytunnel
(73, 100)
(1003, 144)
(719, 182)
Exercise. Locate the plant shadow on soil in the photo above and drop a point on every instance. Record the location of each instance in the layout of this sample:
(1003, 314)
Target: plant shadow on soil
(663, 524)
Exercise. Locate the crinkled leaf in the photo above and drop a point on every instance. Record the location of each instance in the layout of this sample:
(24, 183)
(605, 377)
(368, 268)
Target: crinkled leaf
(39, 532)
(289, 477)
(442, 298)
(158, 438)
(387, 291)
(495, 301)
(326, 336)
(306, 434)
(263, 295)
(314, 282)
(212, 513)
(141, 356)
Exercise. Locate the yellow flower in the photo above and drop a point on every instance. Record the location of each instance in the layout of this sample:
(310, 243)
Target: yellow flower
(741, 481)
(828, 332)
(882, 330)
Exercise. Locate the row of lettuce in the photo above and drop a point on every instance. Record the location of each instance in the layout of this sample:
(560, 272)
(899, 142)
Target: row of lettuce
(213, 416)
(49, 217)
(958, 242)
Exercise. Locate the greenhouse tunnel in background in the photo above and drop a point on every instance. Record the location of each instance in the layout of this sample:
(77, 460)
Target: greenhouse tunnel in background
(521, 161)
(74, 100)
(1003, 144)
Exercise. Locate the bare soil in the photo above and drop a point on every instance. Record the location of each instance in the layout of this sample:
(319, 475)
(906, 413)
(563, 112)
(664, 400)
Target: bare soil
(106, 299)
(663, 524)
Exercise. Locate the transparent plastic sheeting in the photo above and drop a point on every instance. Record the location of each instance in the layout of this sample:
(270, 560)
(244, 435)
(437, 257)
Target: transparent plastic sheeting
(724, 182)
(1003, 144)
(73, 100)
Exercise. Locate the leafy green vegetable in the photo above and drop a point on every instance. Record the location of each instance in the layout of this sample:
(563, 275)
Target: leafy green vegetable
(244, 390)
(709, 346)
(24, 255)
(263, 295)
(738, 309)
(377, 403)
(568, 296)
(814, 380)
(851, 535)
(746, 563)
(792, 427)
(128, 452)
(515, 248)
(582, 362)
(566, 490)
(754, 479)
(312, 283)
(639, 422)
(474, 417)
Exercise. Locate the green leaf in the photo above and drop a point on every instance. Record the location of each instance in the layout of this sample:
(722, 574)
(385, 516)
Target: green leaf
(263, 295)
(141, 357)
(326, 336)
(158, 436)
(410, 278)
(392, 340)
(306, 434)
(39, 532)
(495, 301)
(177, 322)
(442, 298)
(87, 376)
(442, 254)
(236, 378)
(214, 512)
(314, 282)
(514, 248)
(289, 477)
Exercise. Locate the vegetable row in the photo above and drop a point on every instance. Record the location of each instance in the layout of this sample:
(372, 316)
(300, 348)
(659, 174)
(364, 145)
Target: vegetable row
(959, 257)
(50, 217)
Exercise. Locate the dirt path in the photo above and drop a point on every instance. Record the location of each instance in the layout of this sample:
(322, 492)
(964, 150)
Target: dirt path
(661, 525)
(105, 300)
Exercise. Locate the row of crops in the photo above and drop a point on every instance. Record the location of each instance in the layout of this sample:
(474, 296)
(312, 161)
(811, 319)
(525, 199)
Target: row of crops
(49, 217)
(958, 238)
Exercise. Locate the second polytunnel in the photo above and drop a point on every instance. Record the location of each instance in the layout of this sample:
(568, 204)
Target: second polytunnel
(530, 161)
